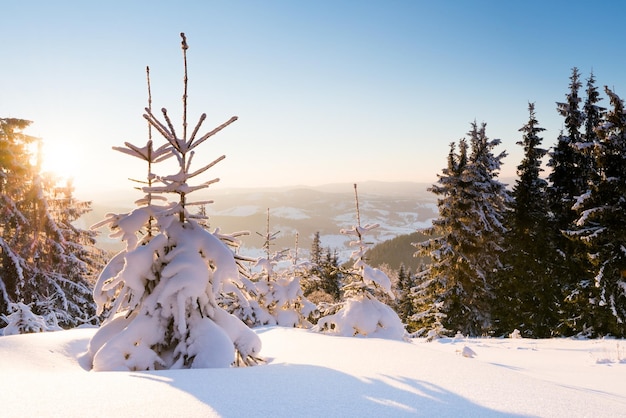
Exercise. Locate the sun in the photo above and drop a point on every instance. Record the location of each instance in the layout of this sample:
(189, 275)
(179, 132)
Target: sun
(61, 161)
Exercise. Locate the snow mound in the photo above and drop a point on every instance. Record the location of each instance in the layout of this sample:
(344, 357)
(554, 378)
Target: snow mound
(363, 317)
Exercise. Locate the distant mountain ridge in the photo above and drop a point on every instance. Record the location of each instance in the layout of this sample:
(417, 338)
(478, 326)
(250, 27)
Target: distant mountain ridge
(399, 207)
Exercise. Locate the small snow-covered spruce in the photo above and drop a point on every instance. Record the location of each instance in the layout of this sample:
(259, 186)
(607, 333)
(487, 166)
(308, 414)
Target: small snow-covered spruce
(289, 306)
(322, 275)
(238, 296)
(22, 320)
(278, 296)
(246, 299)
(160, 291)
(234, 293)
(362, 314)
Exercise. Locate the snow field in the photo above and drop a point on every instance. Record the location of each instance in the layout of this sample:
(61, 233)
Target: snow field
(315, 375)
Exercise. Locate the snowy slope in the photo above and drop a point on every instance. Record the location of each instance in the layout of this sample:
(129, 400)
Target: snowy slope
(315, 375)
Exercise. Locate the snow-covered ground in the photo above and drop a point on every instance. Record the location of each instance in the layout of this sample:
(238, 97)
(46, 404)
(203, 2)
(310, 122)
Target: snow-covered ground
(316, 375)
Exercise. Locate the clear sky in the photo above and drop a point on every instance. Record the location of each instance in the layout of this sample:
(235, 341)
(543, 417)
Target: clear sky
(326, 91)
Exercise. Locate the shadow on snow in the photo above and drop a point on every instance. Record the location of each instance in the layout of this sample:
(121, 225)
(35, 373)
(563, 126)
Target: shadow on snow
(287, 390)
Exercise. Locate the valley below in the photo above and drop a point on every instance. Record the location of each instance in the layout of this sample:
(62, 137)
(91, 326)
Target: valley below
(399, 208)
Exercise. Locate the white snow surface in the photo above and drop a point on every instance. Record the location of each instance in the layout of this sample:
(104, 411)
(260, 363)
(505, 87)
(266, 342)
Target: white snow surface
(288, 212)
(242, 210)
(315, 375)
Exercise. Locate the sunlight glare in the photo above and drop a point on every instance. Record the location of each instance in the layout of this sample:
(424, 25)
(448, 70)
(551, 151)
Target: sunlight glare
(61, 161)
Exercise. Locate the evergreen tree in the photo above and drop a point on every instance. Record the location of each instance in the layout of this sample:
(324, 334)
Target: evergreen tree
(316, 250)
(404, 301)
(528, 294)
(331, 274)
(45, 261)
(70, 256)
(435, 282)
(362, 313)
(277, 291)
(572, 167)
(594, 115)
(16, 174)
(324, 273)
(161, 292)
(22, 320)
(568, 177)
(601, 225)
(456, 289)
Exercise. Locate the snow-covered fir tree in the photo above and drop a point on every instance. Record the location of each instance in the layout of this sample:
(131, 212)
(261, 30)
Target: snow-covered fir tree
(455, 292)
(274, 294)
(16, 174)
(250, 300)
(362, 313)
(568, 176)
(159, 294)
(528, 289)
(71, 260)
(22, 320)
(601, 225)
(572, 168)
(45, 260)
(431, 291)
(292, 307)
(594, 115)
(278, 286)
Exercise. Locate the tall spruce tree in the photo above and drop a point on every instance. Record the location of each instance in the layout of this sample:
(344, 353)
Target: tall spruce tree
(601, 225)
(434, 282)
(44, 259)
(594, 115)
(568, 178)
(16, 174)
(572, 167)
(67, 258)
(528, 289)
(456, 291)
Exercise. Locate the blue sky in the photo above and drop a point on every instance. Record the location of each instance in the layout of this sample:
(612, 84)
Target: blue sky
(325, 91)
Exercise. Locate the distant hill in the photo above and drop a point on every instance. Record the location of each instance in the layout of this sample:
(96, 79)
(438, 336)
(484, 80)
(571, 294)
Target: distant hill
(399, 208)
(397, 251)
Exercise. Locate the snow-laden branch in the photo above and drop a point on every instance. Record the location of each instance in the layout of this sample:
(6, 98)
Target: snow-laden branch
(153, 121)
(213, 132)
(146, 152)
